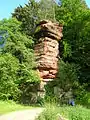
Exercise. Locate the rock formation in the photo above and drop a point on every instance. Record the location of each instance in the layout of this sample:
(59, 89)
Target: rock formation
(46, 50)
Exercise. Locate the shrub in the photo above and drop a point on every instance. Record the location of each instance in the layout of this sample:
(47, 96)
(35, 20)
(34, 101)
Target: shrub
(62, 88)
(17, 61)
(8, 76)
(82, 96)
(52, 112)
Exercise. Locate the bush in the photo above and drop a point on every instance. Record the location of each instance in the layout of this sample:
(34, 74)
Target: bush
(17, 61)
(66, 86)
(52, 112)
(49, 114)
(29, 93)
(62, 88)
(8, 76)
(82, 96)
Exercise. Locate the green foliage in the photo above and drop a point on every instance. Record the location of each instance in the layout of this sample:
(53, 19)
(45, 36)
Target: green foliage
(17, 61)
(69, 10)
(49, 114)
(33, 12)
(63, 87)
(10, 106)
(46, 10)
(8, 76)
(67, 75)
(28, 16)
(66, 49)
(29, 93)
(75, 16)
(82, 96)
(53, 112)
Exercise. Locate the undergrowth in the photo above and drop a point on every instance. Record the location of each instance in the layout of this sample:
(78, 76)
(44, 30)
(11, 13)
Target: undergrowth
(53, 112)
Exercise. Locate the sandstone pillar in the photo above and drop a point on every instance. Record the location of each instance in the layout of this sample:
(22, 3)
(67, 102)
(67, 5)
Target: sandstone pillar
(46, 50)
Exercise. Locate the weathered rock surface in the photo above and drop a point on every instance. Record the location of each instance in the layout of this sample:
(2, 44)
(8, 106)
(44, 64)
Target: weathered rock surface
(46, 50)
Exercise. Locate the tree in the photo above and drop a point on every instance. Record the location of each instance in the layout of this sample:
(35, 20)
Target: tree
(9, 66)
(75, 16)
(47, 10)
(28, 16)
(17, 62)
(66, 81)
(33, 12)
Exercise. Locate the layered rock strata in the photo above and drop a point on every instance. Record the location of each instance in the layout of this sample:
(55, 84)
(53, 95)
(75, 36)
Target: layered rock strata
(46, 49)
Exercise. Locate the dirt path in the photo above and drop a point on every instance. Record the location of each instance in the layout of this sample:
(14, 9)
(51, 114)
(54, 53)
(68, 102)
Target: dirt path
(22, 115)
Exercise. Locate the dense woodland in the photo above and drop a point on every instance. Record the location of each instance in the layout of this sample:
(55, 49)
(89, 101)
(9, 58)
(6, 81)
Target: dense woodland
(17, 60)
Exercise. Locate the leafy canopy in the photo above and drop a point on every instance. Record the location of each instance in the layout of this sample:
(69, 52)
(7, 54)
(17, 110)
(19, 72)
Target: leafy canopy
(17, 62)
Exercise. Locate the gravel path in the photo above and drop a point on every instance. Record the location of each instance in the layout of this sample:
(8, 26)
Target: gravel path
(22, 115)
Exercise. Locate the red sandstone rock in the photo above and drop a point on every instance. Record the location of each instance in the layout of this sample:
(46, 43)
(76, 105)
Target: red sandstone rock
(52, 28)
(46, 50)
(44, 73)
(53, 72)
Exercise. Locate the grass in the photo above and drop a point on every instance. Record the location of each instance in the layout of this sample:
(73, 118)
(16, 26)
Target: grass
(9, 106)
(53, 112)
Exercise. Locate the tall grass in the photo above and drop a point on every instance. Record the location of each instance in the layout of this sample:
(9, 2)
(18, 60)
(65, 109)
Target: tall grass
(9, 106)
(53, 112)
